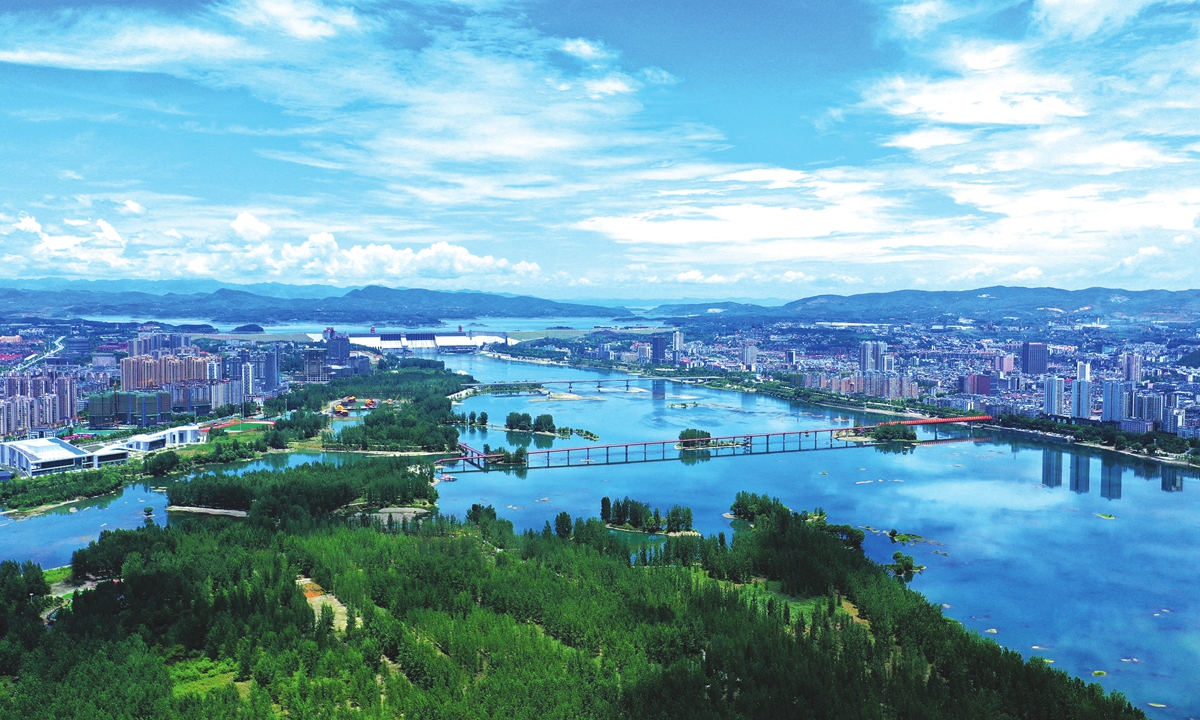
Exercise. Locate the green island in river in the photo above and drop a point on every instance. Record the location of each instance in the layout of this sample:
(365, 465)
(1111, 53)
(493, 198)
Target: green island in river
(317, 605)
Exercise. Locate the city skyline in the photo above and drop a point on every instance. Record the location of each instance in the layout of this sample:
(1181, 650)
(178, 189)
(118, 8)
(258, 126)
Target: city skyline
(577, 150)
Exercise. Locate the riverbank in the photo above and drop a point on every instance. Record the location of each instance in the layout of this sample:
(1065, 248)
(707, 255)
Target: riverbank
(721, 385)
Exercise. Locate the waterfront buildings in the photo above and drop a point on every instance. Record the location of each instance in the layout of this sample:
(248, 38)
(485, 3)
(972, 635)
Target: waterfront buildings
(871, 356)
(49, 455)
(1053, 390)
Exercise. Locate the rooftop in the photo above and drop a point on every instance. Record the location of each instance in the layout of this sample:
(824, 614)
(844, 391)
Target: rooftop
(47, 449)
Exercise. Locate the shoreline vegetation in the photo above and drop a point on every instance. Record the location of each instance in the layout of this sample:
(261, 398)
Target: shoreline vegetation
(210, 617)
(1055, 431)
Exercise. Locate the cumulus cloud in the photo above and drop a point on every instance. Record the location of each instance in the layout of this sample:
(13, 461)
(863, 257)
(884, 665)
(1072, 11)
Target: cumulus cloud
(1143, 253)
(249, 227)
(1030, 273)
(695, 276)
(131, 207)
(28, 223)
(974, 273)
(796, 276)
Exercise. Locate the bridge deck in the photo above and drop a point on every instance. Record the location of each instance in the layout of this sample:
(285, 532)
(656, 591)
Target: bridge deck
(724, 446)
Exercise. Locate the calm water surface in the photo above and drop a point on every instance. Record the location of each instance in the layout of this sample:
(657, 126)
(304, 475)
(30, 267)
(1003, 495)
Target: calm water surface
(1028, 554)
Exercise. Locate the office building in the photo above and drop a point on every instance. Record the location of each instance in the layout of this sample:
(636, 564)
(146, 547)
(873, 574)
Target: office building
(1131, 367)
(314, 366)
(1081, 399)
(1052, 401)
(658, 349)
(1083, 371)
(870, 356)
(677, 341)
(337, 347)
(1035, 358)
(976, 384)
(1004, 363)
(790, 357)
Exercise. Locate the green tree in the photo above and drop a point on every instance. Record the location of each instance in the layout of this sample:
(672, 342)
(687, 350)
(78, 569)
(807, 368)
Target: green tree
(562, 525)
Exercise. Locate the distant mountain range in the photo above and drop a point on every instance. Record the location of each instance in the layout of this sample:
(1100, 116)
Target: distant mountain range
(275, 303)
(371, 304)
(990, 303)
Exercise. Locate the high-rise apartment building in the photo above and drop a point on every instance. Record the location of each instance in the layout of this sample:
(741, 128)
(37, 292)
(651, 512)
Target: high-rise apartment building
(1081, 399)
(1052, 401)
(1004, 363)
(677, 341)
(749, 357)
(1083, 371)
(871, 356)
(790, 357)
(1117, 400)
(1035, 358)
(1148, 406)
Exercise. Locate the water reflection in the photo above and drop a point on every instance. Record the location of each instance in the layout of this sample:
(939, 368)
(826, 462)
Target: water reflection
(1081, 473)
(1172, 479)
(1110, 479)
(1052, 467)
(659, 389)
(693, 457)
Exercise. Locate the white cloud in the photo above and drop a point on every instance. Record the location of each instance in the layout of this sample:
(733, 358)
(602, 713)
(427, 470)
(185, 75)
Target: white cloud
(695, 276)
(776, 178)
(76, 223)
(583, 49)
(28, 223)
(69, 175)
(796, 276)
(928, 138)
(973, 273)
(1029, 273)
(1183, 239)
(1080, 18)
(108, 235)
(173, 233)
(613, 84)
(131, 207)
(1142, 254)
(847, 279)
(302, 19)
(249, 227)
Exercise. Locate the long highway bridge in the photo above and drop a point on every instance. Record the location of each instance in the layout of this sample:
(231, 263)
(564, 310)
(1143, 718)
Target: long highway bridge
(474, 460)
(518, 385)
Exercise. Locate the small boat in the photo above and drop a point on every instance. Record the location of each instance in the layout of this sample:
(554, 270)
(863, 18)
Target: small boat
(447, 478)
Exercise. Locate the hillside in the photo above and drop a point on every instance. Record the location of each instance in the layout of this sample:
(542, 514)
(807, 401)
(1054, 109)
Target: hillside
(371, 304)
(982, 304)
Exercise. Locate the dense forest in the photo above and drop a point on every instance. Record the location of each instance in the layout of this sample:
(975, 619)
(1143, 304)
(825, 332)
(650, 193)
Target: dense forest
(210, 618)
(30, 492)
(401, 379)
(310, 490)
(423, 422)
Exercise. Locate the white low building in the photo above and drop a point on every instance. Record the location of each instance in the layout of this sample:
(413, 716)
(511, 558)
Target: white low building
(50, 455)
(170, 437)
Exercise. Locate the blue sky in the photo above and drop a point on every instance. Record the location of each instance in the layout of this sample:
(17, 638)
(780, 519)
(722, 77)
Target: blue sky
(604, 148)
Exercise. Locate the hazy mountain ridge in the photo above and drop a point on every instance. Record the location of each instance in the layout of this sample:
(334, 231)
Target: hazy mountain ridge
(990, 303)
(364, 305)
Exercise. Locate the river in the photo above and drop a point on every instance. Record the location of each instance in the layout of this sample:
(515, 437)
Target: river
(1023, 554)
